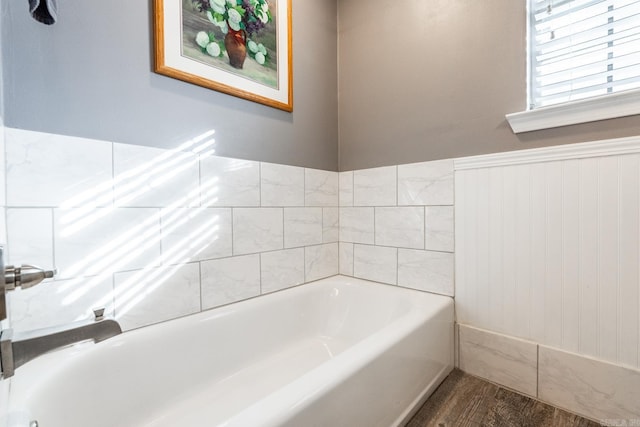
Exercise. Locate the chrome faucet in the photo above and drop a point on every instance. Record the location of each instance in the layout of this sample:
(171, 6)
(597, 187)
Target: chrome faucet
(17, 348)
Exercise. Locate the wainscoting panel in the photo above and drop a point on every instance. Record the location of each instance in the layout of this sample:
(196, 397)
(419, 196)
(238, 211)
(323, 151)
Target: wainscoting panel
(548, 250)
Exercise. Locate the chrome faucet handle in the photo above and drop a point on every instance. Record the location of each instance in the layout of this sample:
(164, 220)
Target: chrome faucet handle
(98, 314)
(25, 276)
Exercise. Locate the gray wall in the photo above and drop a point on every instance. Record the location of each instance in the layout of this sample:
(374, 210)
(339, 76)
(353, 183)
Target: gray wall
(430, 79)
(91, 75)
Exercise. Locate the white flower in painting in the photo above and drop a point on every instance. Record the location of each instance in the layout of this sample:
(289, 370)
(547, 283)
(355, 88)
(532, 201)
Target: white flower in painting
(213, 49)
(253, 47)
(262, 14)
(211, 18)
(232, 3)
(234, 16)
(217, 8)
(223, 26)
(262, 49)
(202, 39)
(235, 26)
(260, 58)
(217, 2)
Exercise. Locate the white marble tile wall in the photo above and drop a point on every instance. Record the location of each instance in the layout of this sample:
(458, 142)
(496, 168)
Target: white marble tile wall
(396, 225)
(155, 234)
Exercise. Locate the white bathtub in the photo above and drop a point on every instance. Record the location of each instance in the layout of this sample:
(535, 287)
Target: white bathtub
(337, 352)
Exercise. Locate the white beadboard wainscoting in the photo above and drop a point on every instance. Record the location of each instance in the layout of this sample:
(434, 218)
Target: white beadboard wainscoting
(547, 251)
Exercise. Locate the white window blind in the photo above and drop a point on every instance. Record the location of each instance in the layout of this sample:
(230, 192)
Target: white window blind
(582, 48)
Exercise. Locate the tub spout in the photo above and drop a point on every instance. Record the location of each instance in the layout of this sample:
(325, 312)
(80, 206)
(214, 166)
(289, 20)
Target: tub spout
(16, 349)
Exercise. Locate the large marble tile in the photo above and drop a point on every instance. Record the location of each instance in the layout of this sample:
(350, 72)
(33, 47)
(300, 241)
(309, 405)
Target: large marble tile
(3, 169)
(229, 280)
(439, 228)
(281, 269)
(195, 234)
(428, 183)
(375, 187)
(302, 227)
(154, 295)
(401, 227)
(229, 182)
(321, 188)
(426, 271)
(376, 263)
(320, 261)
(357, 225)
(3, 226)
(257, 230)
(60, 302)
(30, 239)
(104, 241)
(346, 258)
(504, 360)
(46, 170)
(281, 185)
(588, 387)
(154, 177)
(346, 188)
(330, 225)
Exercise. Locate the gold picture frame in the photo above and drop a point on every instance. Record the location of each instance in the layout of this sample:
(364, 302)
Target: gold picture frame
(197, 43)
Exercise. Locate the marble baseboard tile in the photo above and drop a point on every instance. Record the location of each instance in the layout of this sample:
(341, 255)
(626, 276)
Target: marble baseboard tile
(498, 358)
(228, 280)
(154, 295)
(377, 263)
(281, 269)
(588, 387)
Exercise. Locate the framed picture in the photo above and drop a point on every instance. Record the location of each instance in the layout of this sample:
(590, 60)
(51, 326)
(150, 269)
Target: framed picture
(239, 47)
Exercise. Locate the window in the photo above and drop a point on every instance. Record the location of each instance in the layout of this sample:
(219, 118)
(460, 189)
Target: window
(584, 63)
(582, 48)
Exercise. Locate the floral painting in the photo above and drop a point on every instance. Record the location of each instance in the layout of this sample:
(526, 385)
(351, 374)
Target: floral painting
(240, 47)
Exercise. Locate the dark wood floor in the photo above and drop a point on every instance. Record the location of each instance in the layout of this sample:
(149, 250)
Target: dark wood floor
(464, 400)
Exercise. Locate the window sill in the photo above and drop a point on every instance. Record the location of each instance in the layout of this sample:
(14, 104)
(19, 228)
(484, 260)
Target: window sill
(587, 110)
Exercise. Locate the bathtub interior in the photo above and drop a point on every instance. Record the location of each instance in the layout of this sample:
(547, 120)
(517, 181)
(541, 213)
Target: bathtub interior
(210, 360)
